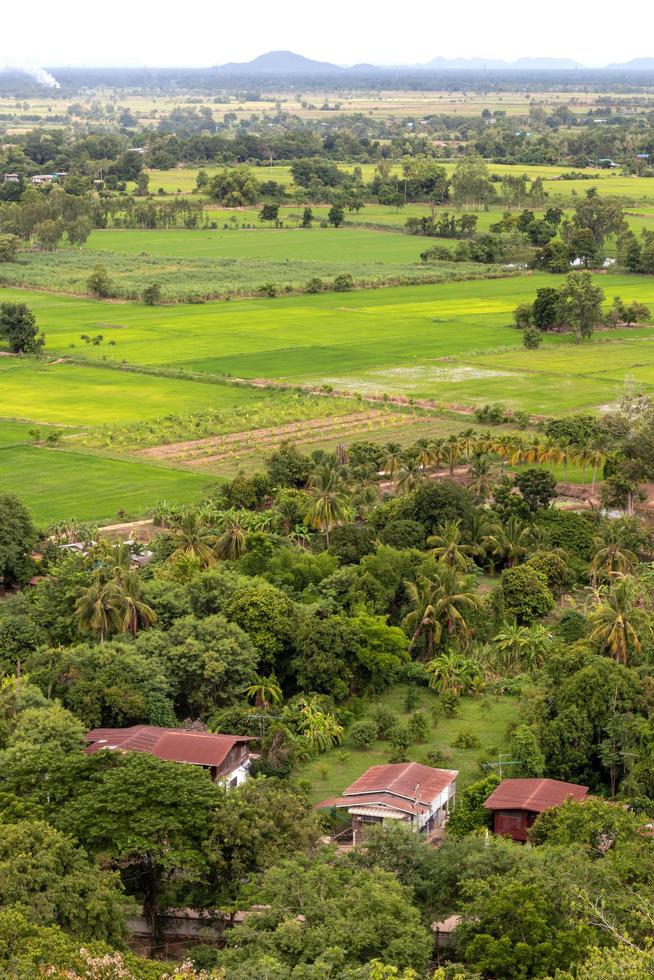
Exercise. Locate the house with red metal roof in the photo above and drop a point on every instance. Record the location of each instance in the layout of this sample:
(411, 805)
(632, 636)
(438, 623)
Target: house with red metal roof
(517, 802)
(406, 791)
(227, 757)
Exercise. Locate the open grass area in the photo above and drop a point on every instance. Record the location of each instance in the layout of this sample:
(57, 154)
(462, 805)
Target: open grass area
(451, 342)
(486, 717)
(74, 395)
(57, 484)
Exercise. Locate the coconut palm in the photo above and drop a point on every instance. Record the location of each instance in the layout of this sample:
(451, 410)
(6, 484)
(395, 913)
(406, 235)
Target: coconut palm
(616, 619)
(410, 476)
(329, 505)
(481, 471)
(394, 459)
(510, 541)
(447, 545)
(451, 673)
(610, 555)
(520, 647)
(265, 691)
(231, 542)
(438, 609)
(98, 609)
(451, 453)
(134, 612)
(194, 539)
(320, 728)
(479, 530)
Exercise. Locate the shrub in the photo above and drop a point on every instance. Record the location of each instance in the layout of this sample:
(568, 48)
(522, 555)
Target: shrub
(415, 673)
(152, 294)
(450, 704)
(440, 758)
(532, 338)
(400, 742)
(554, 568)
(267, 289)
(411, 699)
(314, 285)
(490, 414)
(418, 726)
(363, 733)
(385, 720)
(526, 594)
(403, 534)
(466, 740)
(572, 626)
(343, 283)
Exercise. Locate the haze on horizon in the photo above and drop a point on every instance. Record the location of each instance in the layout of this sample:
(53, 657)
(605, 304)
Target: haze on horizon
(149, 34)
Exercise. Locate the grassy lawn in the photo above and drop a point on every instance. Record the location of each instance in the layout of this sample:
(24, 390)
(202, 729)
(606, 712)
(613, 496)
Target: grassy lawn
(58, 485)
(486, 717)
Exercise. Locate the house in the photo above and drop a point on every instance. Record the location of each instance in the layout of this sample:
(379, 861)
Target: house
(11, 178)
(227, 757)
(517, 802)
(444, 931)
(406, 791)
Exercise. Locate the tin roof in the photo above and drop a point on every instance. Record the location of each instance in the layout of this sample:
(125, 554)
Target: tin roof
(533, 795)
(406, 786)
(170, 744)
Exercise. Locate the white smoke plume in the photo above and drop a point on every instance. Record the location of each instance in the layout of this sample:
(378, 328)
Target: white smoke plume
(41, 76)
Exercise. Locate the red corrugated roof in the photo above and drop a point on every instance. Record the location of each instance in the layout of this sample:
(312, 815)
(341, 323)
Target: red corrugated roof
(406, 786)
(387, 800)
(410, 780)
(534, 795)
(171, 744)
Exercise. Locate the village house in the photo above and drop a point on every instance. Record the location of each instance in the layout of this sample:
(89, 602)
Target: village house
(517, 802)
(406, 791)
(227, 757)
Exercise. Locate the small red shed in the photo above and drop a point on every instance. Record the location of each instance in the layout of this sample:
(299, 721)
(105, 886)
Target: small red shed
(517, 802)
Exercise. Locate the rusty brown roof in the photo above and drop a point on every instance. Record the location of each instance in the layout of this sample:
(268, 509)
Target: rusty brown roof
(386, 800)
(170, 744)
(410, 780)
(534, 795)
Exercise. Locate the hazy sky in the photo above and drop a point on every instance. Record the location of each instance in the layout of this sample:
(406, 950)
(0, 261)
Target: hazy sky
(142, 32)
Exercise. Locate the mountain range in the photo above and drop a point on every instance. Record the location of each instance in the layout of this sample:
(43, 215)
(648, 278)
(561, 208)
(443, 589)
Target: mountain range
(289, 63)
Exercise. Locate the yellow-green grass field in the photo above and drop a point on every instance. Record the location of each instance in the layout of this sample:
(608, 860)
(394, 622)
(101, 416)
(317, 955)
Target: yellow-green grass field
(487, 717)
(445, 342)
(57, 484)
(182, 180)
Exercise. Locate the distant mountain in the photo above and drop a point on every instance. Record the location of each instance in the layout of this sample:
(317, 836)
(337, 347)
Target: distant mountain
(636, 64)
(545, 64)
(278, 63)
(438, 64)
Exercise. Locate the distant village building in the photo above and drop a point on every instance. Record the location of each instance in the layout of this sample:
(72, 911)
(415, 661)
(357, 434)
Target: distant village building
(11, 178)
(227, 757)
(407, 792)
(517, 802)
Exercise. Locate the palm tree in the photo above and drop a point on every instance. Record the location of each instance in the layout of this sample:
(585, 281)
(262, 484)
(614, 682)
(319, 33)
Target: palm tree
(133, 611)
(265, 691)
(410, 476)
(438, 609)
(98, 609)
(520, 647)
(446, 545)
(451, 453)
(330, 506)
(479, 530)
(616, 619)
(394, 459)
(320, 728)
(510, 541)
(194, 540)
(451, 673)
(611, 556)
(482, 481)
(231, 543)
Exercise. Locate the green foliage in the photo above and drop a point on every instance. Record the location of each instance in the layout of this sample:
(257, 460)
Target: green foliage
(17, 539)
(469, 814)
(363, 733)
(18, 329)
(525, 594)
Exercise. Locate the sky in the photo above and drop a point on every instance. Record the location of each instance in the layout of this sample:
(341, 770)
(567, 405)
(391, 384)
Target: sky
(124, 32)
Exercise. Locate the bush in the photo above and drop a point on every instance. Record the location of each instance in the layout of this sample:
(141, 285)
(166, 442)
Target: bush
(400, 742)
(466, 740)
(450, 704)
(418, 726)
(526, 594)
(439, 758)
(415, 673)
(403, 534)
(572, 626)
(343, 283)
(411, 699)
(314, 285)
(152, 294)
(385, 720)
(267, 289)
(532, 338)
(554, 568)
(490, 414)
(363, 733)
